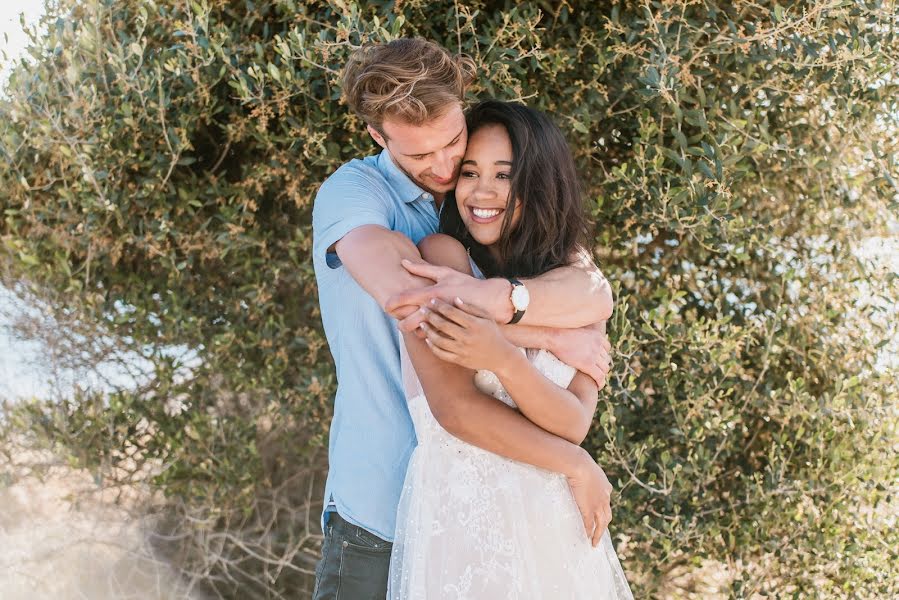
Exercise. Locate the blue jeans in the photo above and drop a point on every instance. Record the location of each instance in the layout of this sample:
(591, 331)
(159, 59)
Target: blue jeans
(355, 563)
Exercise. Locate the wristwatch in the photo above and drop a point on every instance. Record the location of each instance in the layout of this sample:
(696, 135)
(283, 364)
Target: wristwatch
(520, 299)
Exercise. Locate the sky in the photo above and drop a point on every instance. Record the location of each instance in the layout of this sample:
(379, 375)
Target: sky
(18, 373)
(14, 41)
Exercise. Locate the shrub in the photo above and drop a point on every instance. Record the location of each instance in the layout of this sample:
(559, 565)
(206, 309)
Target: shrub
(160, 160)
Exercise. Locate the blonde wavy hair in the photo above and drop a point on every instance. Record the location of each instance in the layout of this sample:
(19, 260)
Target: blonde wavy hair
(409, 79)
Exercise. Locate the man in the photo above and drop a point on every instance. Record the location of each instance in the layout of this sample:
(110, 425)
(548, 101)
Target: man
(368, 217)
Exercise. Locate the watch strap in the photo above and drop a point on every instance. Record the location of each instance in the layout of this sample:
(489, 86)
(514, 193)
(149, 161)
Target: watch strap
(518, 313)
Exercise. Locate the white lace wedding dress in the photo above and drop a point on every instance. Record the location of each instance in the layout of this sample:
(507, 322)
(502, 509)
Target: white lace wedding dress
(476, 526)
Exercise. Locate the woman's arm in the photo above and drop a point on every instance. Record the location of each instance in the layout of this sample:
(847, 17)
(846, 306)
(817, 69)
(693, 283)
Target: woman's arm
(487, 423)
(468, 337)
(568, 413)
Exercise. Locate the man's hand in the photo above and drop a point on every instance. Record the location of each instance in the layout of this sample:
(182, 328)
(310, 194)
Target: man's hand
(593, 494)
(587, 349)
(493, 295)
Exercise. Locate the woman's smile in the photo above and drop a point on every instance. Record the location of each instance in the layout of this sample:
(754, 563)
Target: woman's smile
(484, 216)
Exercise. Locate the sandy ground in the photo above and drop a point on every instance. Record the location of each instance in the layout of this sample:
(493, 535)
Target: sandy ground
(61, 540)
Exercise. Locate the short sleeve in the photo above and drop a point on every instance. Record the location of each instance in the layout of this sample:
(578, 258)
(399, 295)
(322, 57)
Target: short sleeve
(348, 199)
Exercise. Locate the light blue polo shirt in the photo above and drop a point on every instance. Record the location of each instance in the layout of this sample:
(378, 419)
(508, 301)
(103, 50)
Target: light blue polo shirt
(372, 435)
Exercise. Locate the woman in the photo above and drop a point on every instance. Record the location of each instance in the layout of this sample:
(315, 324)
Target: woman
(472, 524)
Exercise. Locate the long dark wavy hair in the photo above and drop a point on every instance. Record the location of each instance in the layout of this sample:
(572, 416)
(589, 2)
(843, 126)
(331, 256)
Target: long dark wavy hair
(552, 227)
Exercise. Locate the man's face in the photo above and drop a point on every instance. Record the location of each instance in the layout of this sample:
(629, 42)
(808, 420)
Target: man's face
(430, 154)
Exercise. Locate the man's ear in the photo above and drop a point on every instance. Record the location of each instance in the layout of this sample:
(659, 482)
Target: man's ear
(377, 136)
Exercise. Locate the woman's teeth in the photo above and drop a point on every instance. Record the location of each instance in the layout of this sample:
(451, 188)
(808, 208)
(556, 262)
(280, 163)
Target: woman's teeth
(483, 213)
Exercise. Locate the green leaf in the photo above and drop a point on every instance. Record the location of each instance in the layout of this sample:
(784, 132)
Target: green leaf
(681, 138)
(580, 127)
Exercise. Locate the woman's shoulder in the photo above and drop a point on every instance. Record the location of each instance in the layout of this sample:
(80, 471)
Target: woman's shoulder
(444, 250)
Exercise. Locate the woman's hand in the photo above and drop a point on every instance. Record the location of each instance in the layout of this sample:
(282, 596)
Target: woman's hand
(465, 335)
(593, 494)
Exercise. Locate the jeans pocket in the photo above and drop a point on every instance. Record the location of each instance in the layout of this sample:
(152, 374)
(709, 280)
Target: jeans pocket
(364, 572)
(367, 539)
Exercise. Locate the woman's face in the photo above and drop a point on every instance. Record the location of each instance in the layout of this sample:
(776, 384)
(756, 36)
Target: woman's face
(482, 190)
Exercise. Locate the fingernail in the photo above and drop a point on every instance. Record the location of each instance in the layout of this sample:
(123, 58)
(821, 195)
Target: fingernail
(406, 261)
(423, 310)
(434, 301)
(459, 300)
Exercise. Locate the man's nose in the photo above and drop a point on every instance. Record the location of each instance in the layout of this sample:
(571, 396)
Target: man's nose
(443, 167)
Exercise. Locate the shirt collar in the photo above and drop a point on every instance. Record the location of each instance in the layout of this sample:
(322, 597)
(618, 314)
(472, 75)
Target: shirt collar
(407, 189)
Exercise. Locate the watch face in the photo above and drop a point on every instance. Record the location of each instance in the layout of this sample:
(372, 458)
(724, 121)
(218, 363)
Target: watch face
(520, 297)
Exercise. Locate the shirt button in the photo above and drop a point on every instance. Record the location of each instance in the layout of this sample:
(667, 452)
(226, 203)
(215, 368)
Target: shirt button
(426, 196)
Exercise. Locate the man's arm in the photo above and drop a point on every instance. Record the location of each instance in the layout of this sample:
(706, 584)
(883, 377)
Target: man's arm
(484, 421)
(572, 296)
(567, 297)
(372, 256)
